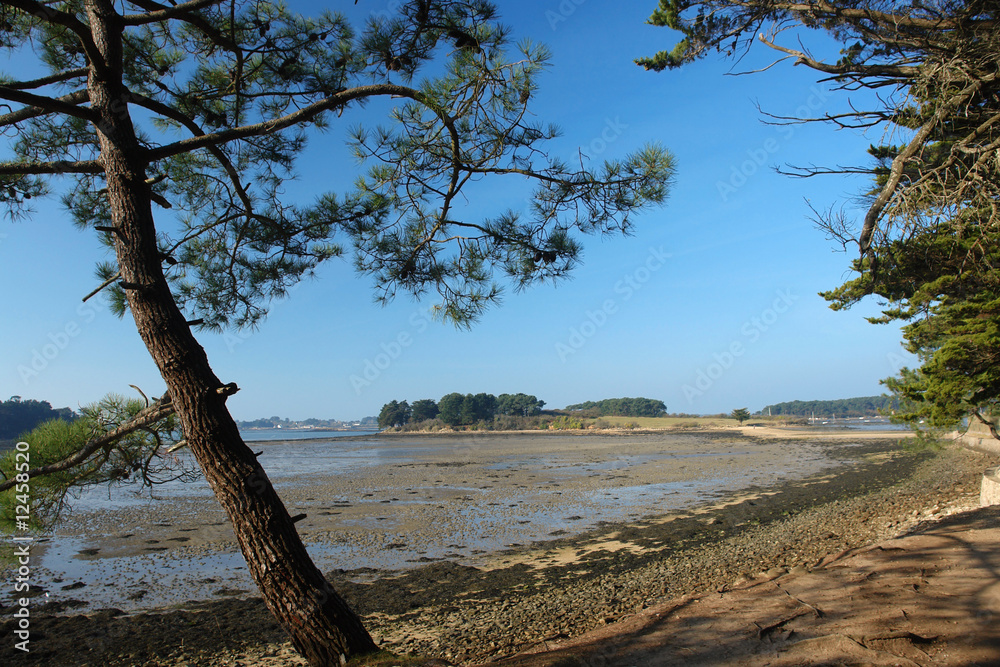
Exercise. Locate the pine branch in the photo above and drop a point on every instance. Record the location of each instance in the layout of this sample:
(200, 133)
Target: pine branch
(189, 16)
(154, 413)
(169, 112)
(54, 16)
(297, 117)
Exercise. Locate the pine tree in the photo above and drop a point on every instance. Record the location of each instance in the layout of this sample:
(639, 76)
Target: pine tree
(926, 243)
(199, 109)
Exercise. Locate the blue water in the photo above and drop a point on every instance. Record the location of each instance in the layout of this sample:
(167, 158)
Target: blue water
(324, 455)
(268, 434)
(855, 424)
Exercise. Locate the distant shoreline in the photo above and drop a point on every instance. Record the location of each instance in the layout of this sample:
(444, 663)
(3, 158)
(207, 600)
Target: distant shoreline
(784, 432)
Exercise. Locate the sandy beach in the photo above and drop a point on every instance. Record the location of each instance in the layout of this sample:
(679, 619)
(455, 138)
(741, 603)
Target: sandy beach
(476, 548)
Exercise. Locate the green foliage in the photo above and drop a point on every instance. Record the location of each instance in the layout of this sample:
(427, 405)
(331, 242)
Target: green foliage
(478, 407)
(423, 409)
(929, 236)
(622, 407)
(457, 409)
(565, 422)
(450, 407)
(394, 413)
(863, 406)
(949, 295)
(522, 405)
(226, 95)
(18, 415)
(137, 457)
(740, 415)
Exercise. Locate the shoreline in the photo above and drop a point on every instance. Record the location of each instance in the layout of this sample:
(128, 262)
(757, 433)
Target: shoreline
(572, 585)
(783, 432)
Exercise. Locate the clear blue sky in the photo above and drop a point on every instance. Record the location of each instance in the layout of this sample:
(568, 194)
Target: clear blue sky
(710, 306)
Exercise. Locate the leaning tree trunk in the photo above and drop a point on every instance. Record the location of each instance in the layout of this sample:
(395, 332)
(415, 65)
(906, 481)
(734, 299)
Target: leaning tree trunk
(322, 626)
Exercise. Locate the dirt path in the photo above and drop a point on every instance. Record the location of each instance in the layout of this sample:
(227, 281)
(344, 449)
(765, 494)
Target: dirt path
(930, 598)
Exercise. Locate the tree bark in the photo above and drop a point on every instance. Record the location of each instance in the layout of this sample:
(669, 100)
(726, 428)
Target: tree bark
(321, 624)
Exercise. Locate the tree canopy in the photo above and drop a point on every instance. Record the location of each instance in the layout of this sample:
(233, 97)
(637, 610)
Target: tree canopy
(225, 91)
(740, 415)
(519, 405)
(423, 409)
(622, 407)
(19, 415)
(457, 409)
(394, 413)
(926, 239)
(861, 406)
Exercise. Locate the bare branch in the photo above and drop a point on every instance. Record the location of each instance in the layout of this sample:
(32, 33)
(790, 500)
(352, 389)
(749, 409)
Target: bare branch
(47, 104)
(809, 172)
(25, 113)
(48, 80)
(182, 10)
(823, 9)
(988, 423)
(898, 71)
(899, 162)
(56, 167)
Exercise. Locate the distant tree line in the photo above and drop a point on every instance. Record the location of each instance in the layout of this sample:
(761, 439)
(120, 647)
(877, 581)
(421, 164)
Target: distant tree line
(19, 416)
(273, 422)
(864, 406)
(621, 407)
(284, 422)
(459, 409)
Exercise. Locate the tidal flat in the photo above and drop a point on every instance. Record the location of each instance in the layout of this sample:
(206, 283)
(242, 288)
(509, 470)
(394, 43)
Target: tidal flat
(474, 547)
(379, 504)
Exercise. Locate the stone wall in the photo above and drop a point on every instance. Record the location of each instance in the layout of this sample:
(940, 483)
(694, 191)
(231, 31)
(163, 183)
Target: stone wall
(978, 437)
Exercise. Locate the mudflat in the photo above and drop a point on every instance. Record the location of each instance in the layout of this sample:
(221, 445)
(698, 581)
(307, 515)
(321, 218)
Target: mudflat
(613, 525)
